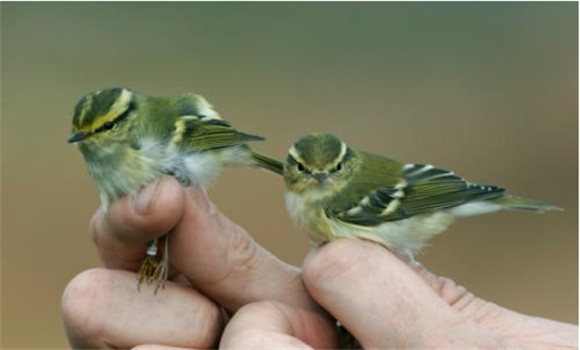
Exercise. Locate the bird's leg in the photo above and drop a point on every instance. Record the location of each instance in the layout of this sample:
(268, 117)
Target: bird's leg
(149, 265)
(162, 269)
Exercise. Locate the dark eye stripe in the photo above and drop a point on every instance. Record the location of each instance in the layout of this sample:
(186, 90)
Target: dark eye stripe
(109, 125)
(293, 162)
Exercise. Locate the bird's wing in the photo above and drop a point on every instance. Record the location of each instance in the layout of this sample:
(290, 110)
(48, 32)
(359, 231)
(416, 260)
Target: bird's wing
(421, 189)
(202, 134)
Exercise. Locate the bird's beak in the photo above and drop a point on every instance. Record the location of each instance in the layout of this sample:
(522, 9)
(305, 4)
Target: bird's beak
(79, 136)
(320, 177)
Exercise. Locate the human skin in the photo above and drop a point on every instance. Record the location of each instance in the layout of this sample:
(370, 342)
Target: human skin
(217, 266)
(387, 304)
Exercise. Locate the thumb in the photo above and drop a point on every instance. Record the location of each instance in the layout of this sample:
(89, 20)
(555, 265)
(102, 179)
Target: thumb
(383, 302)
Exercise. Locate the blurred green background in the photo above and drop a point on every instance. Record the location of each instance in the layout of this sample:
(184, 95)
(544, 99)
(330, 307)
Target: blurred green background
(486, 89)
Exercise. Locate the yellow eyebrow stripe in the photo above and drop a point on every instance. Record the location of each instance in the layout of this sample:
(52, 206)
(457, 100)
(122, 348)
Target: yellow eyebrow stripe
(340, 157)
(294, 154)
(87, 105)
(120, 106)
(100, 122)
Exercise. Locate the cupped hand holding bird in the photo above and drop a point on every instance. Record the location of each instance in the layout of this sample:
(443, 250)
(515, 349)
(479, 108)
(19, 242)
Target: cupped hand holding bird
(217, 266)
(216, 269)
(387, 304)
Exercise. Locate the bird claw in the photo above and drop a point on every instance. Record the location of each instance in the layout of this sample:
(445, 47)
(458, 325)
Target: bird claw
(153, 271)
(160, 275)
(147, 270)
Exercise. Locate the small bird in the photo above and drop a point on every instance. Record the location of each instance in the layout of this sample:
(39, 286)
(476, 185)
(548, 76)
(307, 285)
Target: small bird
(128, 140)
(335, 191)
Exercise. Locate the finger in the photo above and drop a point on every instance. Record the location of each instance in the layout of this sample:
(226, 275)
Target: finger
(217, 255)
(122, 235)
(103, 309)
(456, 296)
(270, 325)
(157, 347)
(498, 319)
(222, 260)
(381, 300)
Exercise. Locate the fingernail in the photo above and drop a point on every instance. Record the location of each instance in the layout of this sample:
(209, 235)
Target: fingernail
(146, 196)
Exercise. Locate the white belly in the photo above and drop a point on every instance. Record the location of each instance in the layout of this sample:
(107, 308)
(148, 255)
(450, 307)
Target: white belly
(154, 159)
(406, 236)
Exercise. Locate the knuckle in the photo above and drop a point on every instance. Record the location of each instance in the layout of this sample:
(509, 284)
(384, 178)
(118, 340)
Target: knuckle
(242, 250)
(452, 293)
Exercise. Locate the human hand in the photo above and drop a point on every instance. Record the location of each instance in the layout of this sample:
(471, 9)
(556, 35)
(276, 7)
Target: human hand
(215, 264)
(385, 303)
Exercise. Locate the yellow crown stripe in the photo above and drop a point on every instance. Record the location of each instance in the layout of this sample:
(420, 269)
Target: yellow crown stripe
(86, 107)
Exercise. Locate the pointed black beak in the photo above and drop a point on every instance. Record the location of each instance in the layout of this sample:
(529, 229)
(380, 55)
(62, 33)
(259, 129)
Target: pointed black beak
(320, 177)
(79, 136)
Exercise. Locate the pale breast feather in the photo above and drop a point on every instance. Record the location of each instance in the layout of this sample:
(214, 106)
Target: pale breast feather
(403, 236)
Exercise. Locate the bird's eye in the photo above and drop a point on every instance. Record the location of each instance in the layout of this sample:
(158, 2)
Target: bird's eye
(337, 168)
(108, 125)
(300, 167)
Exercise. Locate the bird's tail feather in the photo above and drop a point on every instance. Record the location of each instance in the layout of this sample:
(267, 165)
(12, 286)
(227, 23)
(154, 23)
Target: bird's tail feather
(268, 163)
(512, 202)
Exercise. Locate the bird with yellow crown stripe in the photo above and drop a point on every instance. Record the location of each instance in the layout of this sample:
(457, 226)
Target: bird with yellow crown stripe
(337, 191)
(128, 140)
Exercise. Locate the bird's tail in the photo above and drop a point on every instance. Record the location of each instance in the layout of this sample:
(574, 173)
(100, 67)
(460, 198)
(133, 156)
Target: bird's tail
(268, 163)
(512, 202)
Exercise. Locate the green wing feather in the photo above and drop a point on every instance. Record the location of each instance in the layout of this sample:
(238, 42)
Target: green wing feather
(198, 134)
(202, 134)
(268, 163)
(415, 189)
(435, 189)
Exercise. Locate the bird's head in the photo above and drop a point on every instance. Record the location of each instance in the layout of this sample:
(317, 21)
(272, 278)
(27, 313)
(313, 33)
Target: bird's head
(319, 164)
(103, 118)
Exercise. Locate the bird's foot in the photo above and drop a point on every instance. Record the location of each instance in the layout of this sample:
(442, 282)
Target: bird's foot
(160, 274)
(147, 270)
(154, 271)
